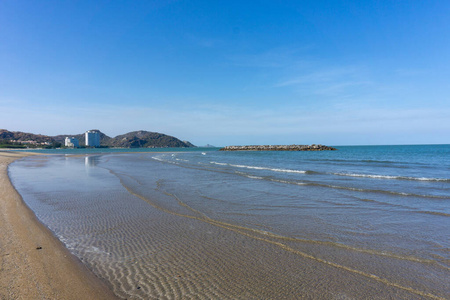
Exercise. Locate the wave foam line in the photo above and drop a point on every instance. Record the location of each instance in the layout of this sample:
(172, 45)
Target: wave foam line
(241, 230)
(374, 176)
(392, 177)
(249, 176)
(261, 168)
(342, 187)
(367, 161)
(164, 161)
(356, 189)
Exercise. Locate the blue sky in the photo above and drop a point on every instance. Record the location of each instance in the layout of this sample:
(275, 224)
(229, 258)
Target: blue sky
(229, 72)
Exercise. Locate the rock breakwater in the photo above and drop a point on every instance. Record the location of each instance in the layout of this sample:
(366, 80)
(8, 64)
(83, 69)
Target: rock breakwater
(312, 147)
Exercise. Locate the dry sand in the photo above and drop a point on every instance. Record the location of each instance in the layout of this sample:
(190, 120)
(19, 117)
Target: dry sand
(33, 263)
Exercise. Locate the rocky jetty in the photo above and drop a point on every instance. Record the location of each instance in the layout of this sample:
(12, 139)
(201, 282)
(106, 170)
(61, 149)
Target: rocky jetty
(312, 147)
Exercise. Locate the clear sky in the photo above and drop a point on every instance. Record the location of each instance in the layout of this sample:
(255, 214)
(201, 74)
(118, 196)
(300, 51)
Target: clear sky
(229, 72)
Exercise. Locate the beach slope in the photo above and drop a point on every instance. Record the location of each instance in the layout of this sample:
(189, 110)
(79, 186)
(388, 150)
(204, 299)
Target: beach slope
(33, 263)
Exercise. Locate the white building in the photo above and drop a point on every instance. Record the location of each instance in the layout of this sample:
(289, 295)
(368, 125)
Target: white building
(92, 138)
(71, 142)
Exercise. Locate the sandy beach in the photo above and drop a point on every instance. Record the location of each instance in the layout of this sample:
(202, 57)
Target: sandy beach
(33, 263)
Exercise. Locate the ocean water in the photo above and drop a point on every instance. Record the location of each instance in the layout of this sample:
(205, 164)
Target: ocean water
(363, 222)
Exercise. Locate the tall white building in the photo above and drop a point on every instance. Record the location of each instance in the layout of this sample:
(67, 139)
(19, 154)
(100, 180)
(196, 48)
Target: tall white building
(71, 142)
(92, 138)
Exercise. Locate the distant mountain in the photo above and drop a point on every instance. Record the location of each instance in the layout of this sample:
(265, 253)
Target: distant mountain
(146, 139)
(135, 139)
(18, 136)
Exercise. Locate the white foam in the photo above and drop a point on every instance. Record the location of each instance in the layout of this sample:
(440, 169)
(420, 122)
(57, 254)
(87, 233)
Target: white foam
(260, 168)
(390, 177)
(179, 159)
(217, 163)
(249, 176)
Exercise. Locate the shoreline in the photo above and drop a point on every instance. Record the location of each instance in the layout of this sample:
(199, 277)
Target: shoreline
(34, 264)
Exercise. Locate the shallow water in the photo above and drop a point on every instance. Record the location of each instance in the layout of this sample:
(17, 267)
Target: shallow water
(360, 222)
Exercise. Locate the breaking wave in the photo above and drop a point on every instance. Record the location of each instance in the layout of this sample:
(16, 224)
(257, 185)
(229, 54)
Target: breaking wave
(392, 177)
(262, 168)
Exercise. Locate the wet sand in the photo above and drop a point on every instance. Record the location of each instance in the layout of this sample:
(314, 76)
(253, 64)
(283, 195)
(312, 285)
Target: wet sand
(33, 263)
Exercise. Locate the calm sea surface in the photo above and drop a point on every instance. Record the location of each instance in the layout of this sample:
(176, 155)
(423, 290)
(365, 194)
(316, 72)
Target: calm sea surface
(363, 222)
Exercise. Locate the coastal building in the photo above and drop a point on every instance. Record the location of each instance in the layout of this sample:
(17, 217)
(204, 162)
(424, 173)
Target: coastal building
(71, 142)
(92, 138)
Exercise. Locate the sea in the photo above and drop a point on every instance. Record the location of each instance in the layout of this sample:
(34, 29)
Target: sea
(362, 222)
